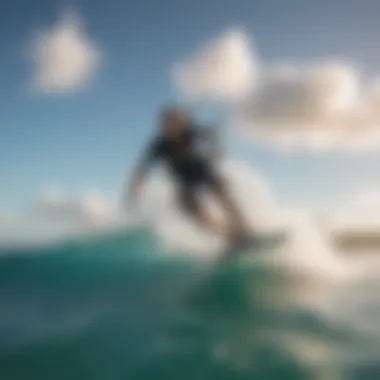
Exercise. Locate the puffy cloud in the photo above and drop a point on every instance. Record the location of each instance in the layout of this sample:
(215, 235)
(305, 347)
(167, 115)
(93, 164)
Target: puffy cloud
(321, 106)
(90, 210)
(359, 212)
(226, 67)
(367, 199)
(65, 58)
(315, 106)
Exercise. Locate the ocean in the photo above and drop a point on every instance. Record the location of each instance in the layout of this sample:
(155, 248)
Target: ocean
(123, 306)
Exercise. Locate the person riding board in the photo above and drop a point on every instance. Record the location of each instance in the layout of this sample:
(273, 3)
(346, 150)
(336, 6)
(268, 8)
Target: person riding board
(177, 145)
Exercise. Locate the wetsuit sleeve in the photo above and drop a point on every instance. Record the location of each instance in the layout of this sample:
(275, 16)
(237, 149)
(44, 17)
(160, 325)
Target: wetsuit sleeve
(206, 133)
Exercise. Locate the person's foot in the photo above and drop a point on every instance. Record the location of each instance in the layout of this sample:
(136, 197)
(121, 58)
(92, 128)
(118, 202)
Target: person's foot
(237, 238)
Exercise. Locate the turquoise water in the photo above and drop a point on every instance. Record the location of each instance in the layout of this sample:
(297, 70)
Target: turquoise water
(120, 307)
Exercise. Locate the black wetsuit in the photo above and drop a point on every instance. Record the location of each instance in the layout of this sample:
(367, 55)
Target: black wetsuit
(191, 169)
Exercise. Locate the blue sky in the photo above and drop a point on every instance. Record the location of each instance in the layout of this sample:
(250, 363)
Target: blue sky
(87, 138)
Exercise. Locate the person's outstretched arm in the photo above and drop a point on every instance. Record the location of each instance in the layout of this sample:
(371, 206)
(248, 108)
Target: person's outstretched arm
(140, 172)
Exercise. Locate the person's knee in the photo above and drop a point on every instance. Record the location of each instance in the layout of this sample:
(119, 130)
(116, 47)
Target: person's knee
(222, 193)
(189, 204)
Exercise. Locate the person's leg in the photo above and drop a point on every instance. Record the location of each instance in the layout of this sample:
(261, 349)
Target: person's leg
(237, 224)
(190, 202)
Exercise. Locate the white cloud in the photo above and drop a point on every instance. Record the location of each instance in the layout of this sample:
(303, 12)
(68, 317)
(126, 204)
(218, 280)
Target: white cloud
(359, 212)
(368, 199)
(317, 106)
(89, 210)
(54, 216)
(65, 58)
(226, 67)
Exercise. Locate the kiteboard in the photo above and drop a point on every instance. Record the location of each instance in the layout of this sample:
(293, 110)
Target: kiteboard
(254, 242)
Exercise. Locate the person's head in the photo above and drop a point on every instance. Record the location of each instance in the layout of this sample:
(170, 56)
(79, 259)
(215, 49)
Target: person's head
(174, 120)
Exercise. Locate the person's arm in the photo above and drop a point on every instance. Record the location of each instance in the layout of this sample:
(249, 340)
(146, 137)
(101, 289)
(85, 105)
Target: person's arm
(138, 176)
